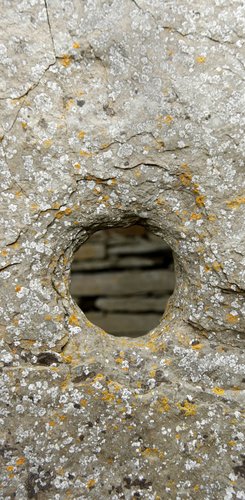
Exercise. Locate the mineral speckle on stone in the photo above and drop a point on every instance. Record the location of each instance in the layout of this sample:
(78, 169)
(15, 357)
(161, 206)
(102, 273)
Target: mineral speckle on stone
(115, 113)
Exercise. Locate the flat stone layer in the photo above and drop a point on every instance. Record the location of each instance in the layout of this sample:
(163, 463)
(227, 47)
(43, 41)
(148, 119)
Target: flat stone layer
(115, 113)
(122, 283)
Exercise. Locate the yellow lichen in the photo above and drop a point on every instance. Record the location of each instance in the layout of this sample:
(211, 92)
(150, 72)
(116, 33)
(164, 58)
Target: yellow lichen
(200, 59)
(77, 165)
(83, 402)
(217, 266)
(189, 409)
(86, 154)
(163, 405)
(76, 45)
(107, 396)
(231, 443)
(47, 143)
(81, 134)
(168, 119)
(218, 390)
(153, 453)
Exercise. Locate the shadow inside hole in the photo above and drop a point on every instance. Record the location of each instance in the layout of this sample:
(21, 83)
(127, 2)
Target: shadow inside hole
(122, 280)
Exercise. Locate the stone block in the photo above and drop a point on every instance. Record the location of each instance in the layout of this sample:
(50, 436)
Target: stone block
(122, 283)
(132, 325)
(90, 251)
(133, 304)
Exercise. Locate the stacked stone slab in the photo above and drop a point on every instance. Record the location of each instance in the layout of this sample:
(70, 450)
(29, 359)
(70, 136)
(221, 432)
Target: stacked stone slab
(122, 280)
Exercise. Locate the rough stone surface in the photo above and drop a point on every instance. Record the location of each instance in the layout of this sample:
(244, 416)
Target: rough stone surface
(115, 113)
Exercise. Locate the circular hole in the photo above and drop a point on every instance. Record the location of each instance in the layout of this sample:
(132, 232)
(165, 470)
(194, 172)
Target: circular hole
(122, 280)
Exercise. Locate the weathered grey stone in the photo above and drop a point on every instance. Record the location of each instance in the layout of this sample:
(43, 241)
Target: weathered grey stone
(122, 283)
(115, 113)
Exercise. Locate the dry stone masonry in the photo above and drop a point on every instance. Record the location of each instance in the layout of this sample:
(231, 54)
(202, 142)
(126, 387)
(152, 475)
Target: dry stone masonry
(115, 113)
(122, 279)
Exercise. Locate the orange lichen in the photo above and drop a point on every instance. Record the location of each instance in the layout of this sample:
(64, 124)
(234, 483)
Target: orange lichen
(236, 202)
(218, 391)
(65, 60)
(200, 201)
(61, 213)
(195, 216)
(47, 317)
(232, 318)
(90, 484)
(185, 179)
(197, 347)
(10, 467)
(168, 362)
(81, 134)
(18, 288)
(73, 320)
(20, 461)
(160, 201)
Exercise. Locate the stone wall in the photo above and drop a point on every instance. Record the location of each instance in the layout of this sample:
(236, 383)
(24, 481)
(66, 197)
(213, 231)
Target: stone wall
(122, 280)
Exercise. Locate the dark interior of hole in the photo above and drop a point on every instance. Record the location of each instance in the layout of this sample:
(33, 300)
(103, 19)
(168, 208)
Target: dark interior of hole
(122, 280)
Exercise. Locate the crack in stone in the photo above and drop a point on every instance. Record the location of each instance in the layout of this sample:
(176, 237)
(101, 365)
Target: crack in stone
(25, 94)
(49, 25)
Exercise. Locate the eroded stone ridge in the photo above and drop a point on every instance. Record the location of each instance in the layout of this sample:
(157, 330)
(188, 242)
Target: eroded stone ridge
(115, 113)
